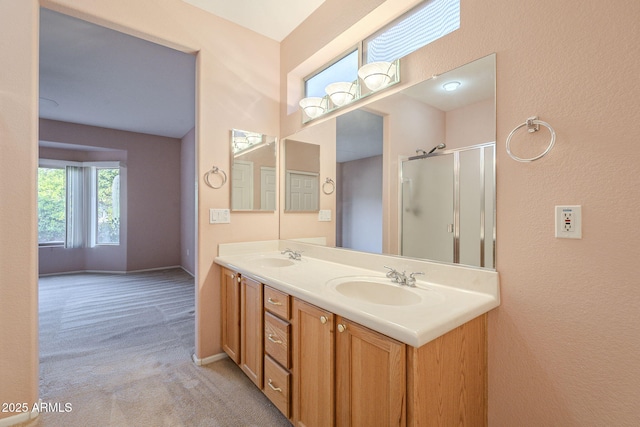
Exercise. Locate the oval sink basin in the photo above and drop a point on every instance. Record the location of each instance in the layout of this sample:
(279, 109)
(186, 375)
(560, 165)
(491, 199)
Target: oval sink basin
(378, 293)
(274, 262)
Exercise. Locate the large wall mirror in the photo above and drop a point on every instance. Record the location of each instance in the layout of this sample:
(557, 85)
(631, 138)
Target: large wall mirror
(302, 176)
(424, 154)
(253, 171)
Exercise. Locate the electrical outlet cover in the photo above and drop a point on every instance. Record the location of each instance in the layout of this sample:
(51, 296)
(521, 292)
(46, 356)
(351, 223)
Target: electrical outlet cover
(569, 222)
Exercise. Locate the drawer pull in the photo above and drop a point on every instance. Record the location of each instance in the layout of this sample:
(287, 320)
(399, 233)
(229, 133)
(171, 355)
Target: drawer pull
(323, 319)
(274, 388)
(273, 340)
(273, 302)
(342, 327)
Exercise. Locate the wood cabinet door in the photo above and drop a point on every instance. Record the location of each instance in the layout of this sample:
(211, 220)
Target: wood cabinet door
(230, 302)
(313, 366)
(251, 342)
(370, 377)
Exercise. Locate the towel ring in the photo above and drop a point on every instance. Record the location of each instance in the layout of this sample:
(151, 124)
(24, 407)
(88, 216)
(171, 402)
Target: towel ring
(332, 185)
(533, 125)
(217, 171)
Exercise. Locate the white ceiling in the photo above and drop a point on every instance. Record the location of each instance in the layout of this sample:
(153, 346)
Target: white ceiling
(272, 18)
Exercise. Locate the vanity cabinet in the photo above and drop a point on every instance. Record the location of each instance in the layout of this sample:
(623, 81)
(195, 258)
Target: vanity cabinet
(277, 349)
(251, 321)
(370, 377)
(313, 365)
(345, 374)
(320, 369)
(242, 322)
(230, 302)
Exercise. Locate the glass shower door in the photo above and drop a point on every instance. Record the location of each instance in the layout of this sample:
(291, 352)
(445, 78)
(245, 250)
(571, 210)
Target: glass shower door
(428, 208)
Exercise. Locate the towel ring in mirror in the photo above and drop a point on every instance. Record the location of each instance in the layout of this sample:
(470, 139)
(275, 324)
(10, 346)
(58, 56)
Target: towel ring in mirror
(329, 186)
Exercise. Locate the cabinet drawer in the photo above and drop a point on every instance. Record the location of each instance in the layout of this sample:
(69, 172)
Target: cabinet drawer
(277, 303)
(276, 339)
(277, 382)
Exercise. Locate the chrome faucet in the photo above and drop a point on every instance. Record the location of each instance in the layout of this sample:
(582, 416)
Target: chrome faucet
(411, 280)
(401, 278)
(296, 255)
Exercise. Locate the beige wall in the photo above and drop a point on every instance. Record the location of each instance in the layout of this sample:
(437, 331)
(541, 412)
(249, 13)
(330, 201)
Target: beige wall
(188, 187)
(563, 345)
(18, 207)
(237, 87)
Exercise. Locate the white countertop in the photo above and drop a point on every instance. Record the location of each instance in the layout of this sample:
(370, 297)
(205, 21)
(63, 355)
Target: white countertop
(449, 295)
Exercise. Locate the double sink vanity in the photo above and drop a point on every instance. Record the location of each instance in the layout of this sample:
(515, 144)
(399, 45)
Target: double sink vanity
(332, 337)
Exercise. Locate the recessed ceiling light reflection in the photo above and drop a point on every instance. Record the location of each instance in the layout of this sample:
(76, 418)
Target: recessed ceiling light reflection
(451, 86)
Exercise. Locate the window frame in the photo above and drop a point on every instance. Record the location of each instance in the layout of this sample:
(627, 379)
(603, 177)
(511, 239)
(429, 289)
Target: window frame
(82, 226)
(361, 46)
(413, 11)
(93, 211)
(357, 48)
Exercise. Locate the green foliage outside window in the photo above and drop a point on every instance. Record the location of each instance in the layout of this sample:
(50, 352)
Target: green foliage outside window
(51, 205)
(108, 209)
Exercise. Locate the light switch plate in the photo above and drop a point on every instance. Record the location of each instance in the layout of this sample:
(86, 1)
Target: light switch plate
(219, 216)
(324, 215)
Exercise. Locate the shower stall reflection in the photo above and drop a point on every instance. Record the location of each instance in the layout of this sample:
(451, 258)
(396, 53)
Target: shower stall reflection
(448, 206)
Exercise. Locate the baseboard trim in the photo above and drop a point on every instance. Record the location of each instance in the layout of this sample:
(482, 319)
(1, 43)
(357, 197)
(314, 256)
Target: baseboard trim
(20, 418)
(61, 273)
(209, 359)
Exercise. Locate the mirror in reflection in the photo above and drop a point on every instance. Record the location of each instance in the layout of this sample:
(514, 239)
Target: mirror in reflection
(384, 201)
(302, 176)
(253, 171)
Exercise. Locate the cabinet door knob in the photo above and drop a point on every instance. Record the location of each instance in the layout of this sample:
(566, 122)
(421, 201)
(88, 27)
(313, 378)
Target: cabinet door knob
(239, 279)
(274, 388)
(323, 319)
(233, 276)
(342, 327)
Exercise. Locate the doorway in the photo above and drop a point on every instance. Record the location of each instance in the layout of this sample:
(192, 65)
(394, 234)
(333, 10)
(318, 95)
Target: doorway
(102, 92)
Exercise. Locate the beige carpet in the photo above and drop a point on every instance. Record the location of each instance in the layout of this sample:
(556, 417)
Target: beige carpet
(117, 350)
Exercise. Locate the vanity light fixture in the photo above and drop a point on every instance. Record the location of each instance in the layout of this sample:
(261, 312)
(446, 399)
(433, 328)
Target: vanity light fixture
(372, 78)
(342, 93)
(243, 140)
(314, 106)
(377, 75)
(451, 86)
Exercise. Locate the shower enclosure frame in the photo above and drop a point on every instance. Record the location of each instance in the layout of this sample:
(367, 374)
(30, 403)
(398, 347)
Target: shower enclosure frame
(487, 231)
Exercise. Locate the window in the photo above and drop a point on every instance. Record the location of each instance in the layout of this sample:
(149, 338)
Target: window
(420, 26)
(107, 207)
(344, 69)
(417, 28)
(73, 214)
(52, 206)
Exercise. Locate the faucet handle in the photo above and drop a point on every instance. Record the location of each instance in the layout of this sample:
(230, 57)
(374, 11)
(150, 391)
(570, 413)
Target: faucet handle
(395, 275)
(411, 280)
(392, 272)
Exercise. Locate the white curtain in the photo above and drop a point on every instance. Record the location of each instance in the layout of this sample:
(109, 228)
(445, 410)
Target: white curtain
(75, 208)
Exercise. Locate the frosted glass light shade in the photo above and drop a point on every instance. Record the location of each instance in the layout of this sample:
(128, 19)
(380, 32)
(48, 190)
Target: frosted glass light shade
(377, 75)
(341, 93)
(313, 106)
